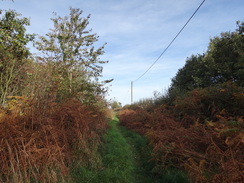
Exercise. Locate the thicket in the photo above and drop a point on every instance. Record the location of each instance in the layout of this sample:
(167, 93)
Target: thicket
(198, 126)
(53, 110)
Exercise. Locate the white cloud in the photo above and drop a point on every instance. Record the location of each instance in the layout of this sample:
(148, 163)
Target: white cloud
(138, 31)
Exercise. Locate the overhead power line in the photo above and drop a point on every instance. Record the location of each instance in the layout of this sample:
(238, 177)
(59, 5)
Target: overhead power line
(170, 42)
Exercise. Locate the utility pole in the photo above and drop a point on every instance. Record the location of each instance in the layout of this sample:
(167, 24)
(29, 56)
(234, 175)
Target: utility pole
(131, 92)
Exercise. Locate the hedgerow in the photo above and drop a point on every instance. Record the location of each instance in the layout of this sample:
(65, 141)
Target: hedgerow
(42, 144)
(202, 134)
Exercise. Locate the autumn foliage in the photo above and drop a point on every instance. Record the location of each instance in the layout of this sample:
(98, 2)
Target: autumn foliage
(52, 106)
(42, 143)
(202, 134)
(198, 125)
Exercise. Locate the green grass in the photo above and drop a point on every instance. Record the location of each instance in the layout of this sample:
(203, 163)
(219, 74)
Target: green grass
(117, 157)
(144, 167)
(118, 165)
(141, 156)
(173, 176)
(125, 159)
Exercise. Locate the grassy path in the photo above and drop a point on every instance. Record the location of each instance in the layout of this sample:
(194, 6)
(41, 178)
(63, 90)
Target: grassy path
(125, 159)
(123, 156)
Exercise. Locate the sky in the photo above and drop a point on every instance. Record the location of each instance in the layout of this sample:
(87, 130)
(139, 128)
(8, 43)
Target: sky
(137, 32)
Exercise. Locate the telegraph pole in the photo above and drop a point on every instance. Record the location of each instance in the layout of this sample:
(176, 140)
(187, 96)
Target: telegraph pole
(131, 92)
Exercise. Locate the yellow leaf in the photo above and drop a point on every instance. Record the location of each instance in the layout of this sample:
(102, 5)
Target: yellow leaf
(210, 123)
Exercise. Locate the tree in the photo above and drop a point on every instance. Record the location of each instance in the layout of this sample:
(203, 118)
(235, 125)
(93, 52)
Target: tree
(69, 46)
(191, 75)
(226, 56)
(13, 52)
(115, 105)
(223, 62)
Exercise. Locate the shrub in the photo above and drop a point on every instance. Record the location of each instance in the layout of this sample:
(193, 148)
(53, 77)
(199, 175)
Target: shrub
(209, 152)
(42, 143)
(213, 103)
